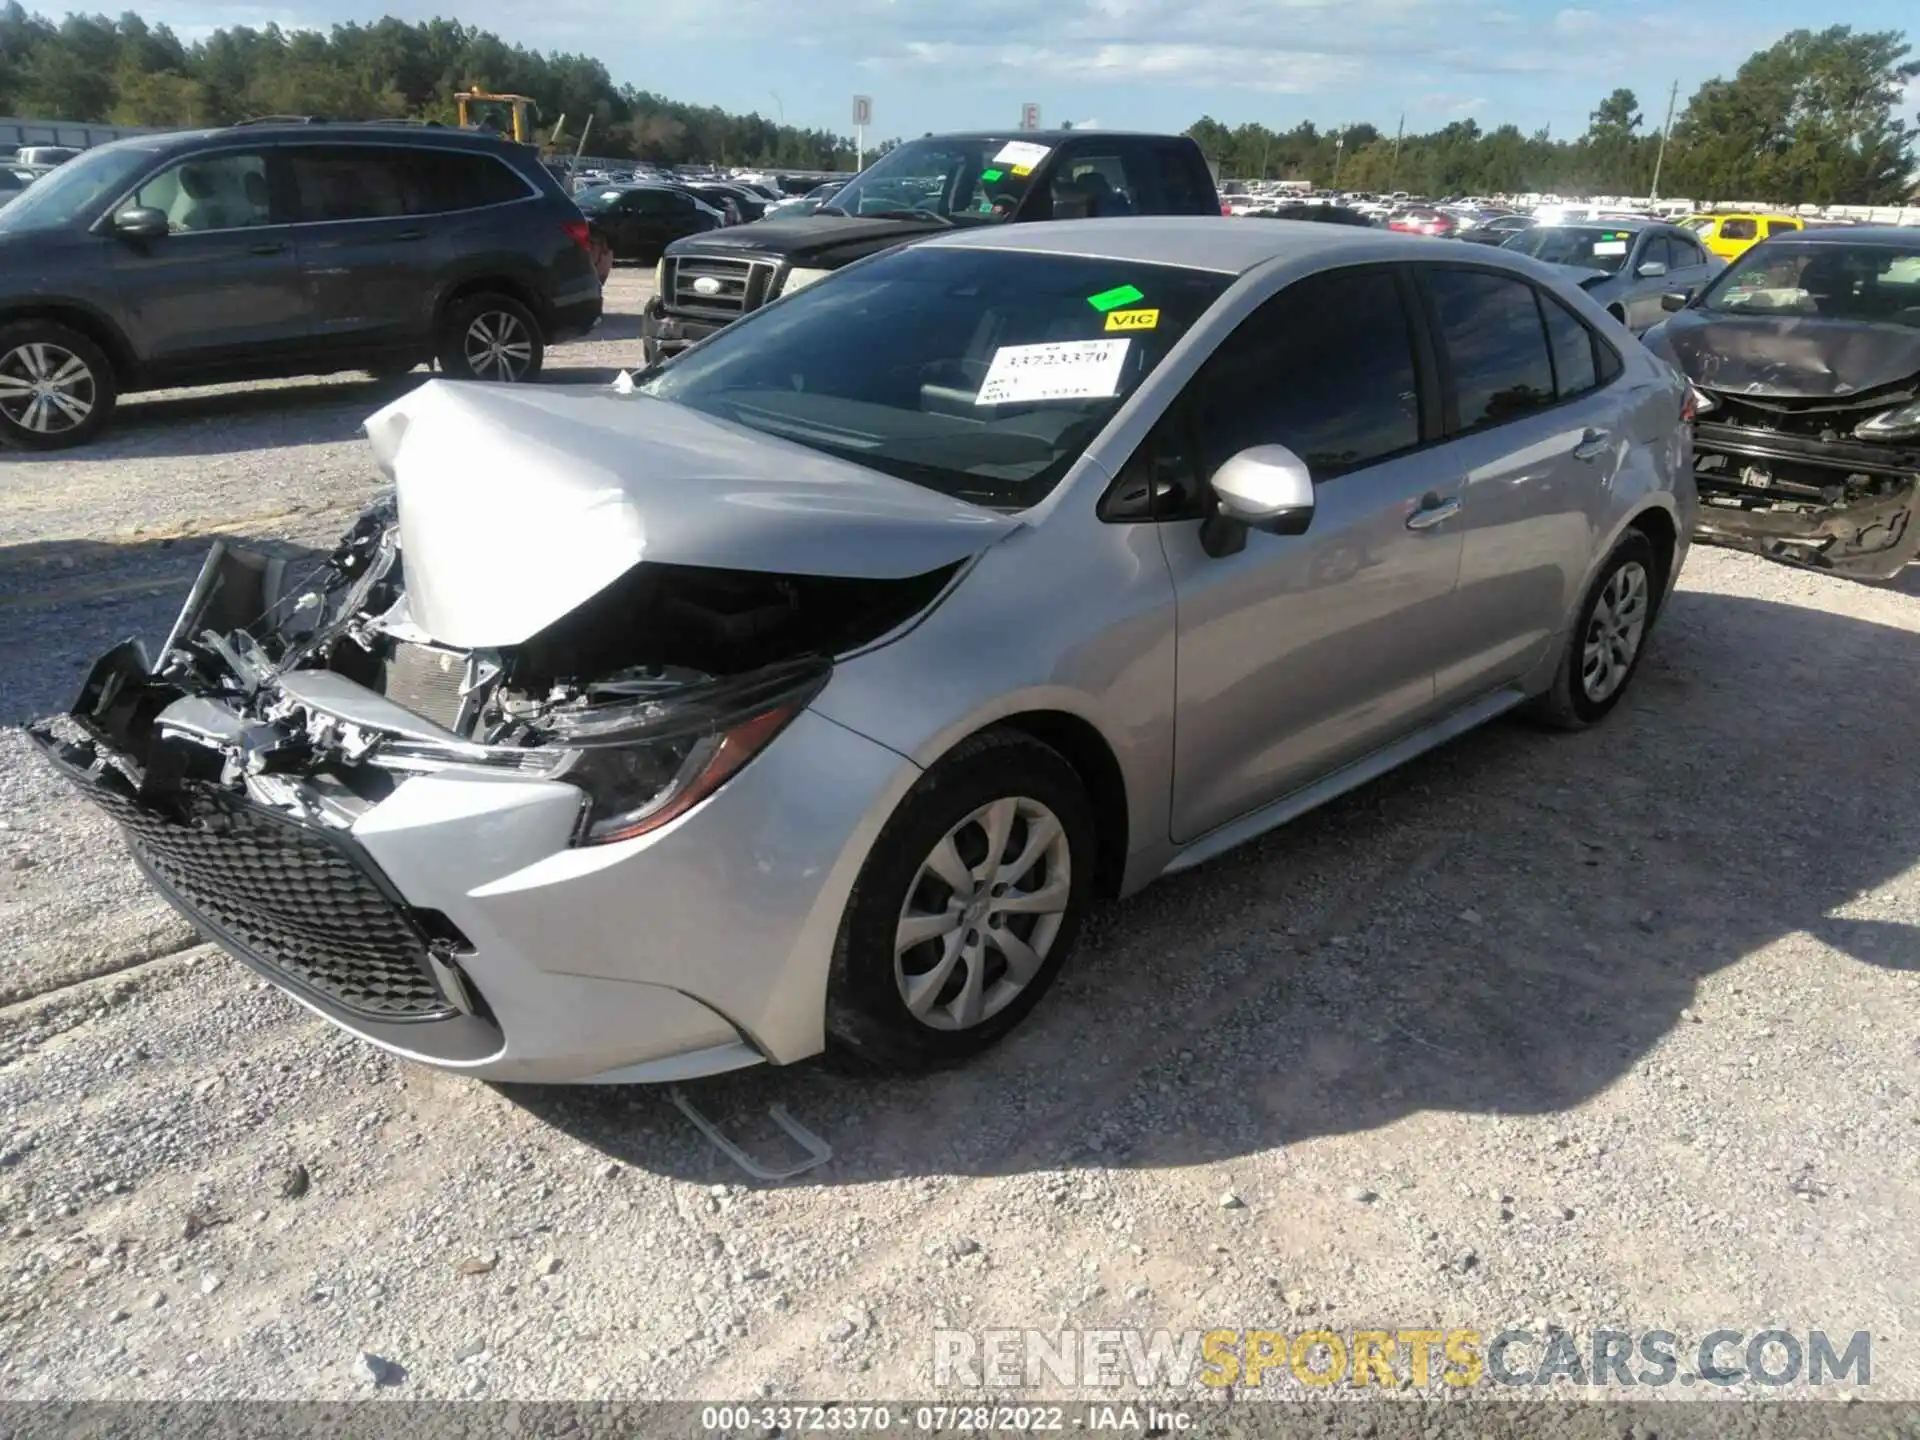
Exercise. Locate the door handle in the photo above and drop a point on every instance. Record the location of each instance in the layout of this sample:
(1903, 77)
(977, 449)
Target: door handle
(268, 247)
(1592, 445)
(1432, 511)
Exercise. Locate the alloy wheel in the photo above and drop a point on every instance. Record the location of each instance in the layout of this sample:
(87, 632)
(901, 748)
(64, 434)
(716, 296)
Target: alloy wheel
(1614, 632)
(982, 913)
(46, 388)
(498, 346)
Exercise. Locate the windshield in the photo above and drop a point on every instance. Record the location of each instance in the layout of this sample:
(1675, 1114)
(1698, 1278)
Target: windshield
(982, 374)
(1876, 283)
(598, 202)
(68, 194)
(961, 181)
(1593, 247)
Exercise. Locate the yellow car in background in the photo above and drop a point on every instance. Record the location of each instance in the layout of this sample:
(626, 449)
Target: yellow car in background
(1729, 235)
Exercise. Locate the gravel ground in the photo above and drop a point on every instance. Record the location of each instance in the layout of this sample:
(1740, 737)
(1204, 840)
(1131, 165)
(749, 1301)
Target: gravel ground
(1614, 1030)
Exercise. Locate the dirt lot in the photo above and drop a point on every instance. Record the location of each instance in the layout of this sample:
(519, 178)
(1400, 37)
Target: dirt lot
(1613, 1030)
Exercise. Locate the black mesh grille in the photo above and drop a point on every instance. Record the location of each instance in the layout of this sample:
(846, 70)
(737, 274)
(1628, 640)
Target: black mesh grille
(295, 898)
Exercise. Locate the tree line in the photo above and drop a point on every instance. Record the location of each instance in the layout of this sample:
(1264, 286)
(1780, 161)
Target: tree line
(1813, 118)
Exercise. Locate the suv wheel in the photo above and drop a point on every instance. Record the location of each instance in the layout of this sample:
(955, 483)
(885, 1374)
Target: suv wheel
(490, 337)
(56, 387)
(967, 907)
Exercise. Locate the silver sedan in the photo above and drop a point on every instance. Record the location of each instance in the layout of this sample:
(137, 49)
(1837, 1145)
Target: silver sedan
(1627, 266)
(808, 690)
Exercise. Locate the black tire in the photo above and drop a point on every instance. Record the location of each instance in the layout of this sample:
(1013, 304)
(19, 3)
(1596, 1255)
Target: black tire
(1569, 704)
(21, 357)
(868, 1020)
(459, 343)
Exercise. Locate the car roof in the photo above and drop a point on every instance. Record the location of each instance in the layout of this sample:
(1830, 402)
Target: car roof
(1632, 224)
(386, 132)
(1905, 236)
(1048, 137)
(1195, 242)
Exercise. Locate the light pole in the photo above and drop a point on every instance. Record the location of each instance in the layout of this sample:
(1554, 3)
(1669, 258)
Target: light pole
(1339, 152)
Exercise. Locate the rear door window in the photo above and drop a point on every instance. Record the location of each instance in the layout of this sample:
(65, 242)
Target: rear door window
(1185, 187)
(352, 182)
(1575, 349)
(1738, 230)
(1494, 345)
(1100, 181)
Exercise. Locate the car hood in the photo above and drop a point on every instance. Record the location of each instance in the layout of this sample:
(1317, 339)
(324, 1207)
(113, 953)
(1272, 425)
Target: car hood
(826, 240)
(1788, 357)
(519, 503)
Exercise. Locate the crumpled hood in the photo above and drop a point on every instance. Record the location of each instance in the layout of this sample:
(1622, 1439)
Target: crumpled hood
(1788, 357)
(520, 503)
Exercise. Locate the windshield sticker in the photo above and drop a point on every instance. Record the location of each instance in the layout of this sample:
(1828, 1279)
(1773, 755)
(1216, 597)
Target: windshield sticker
(1018, 153)
(1133, 319)
(1061, 370)
(1610, 247)
(1023, 170)
(990, 175)
(1113, 299)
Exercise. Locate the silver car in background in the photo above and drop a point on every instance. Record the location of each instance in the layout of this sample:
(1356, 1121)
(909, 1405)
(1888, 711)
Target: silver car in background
(807, 691)
(1625, 265)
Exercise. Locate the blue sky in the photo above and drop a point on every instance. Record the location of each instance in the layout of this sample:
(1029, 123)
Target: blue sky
(1151, 64)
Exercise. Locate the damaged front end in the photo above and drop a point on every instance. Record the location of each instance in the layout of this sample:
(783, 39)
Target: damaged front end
(1828, 483)
(288, 703)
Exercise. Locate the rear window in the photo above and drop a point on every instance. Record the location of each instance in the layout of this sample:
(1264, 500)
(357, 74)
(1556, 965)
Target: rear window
(1738, 230)
(982, 374)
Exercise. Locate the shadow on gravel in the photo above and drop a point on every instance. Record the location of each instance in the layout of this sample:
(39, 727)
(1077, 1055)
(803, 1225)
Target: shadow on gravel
(271, 416)
(63, 603)
(1506, 927)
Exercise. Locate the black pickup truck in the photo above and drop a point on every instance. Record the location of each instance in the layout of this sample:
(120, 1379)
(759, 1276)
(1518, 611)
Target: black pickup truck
(921, 188)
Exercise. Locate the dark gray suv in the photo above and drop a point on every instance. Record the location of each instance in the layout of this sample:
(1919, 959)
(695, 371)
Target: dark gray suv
(280, 248)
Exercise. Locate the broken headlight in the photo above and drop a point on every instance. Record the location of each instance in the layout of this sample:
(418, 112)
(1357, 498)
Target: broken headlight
(1900, 424)
(645, 763)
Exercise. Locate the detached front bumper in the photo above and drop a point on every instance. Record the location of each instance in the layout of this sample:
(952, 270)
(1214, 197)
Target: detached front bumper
(455, 923)
(1770, 494)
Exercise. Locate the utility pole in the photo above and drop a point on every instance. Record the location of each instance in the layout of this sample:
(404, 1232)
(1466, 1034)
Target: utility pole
(1660, 156)
(1266, 149)
(1393, 168)
(1339, 152)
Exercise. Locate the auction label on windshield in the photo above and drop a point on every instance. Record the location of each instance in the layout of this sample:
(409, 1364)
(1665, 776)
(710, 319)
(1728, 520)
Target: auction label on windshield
(1062, 370)
(1021, 153)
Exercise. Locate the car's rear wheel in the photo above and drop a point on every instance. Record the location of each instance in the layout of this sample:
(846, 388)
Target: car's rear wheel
(1608, 638)
(490, 337)
(968, 905)
(56, 386)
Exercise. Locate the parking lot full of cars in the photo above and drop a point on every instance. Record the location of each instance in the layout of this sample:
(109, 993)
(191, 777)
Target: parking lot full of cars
(784, 627)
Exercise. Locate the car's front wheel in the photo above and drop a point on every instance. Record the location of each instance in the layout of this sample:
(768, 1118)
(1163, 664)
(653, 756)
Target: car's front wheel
(490, 337)
(56, 387)
(967, 907)
(1609, 636)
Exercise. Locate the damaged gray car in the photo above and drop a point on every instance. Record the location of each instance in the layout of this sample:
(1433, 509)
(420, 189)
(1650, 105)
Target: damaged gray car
(1806, 357)
(806, 691)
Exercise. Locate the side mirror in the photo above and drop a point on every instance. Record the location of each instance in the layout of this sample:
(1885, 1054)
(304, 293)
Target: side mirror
(141, 222)
(1266, 488)
(1675, 300)
(1652, 270)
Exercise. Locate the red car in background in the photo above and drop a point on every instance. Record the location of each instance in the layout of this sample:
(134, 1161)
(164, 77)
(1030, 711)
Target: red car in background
(1423, 220)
